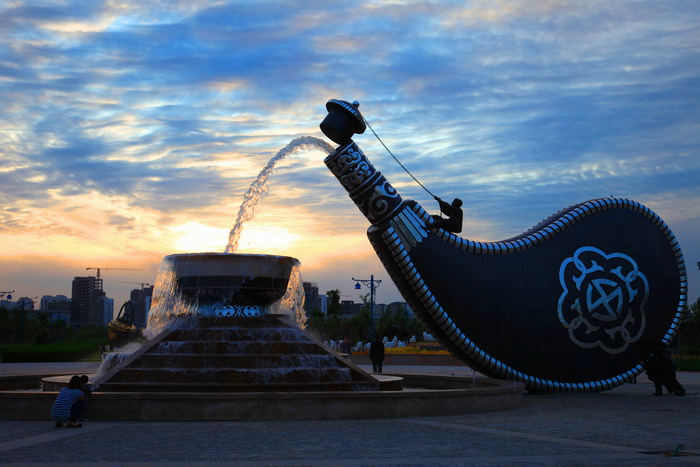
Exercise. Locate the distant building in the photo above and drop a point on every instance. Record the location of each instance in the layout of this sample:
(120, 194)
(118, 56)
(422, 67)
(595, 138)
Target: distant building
(378, 311)
(350, 308)
(141, 300)
(58, 307)
(108, 310)
(323, 304)
(310, 297)
(394, 307)
(24, 303)
(87, 301)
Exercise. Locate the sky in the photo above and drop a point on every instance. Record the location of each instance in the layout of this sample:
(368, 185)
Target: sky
(130, 130)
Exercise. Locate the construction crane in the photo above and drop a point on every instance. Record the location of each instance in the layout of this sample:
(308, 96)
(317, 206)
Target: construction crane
(113, 269)
(142, 284)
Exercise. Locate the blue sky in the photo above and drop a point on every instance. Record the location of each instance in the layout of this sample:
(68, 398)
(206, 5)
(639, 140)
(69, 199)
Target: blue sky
(131, 130)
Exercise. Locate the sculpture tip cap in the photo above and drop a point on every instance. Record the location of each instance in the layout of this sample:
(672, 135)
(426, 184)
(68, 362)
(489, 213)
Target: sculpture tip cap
(343, 121)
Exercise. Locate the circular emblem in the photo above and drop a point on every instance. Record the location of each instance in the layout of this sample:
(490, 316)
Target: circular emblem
(603, 301)
(238, 310)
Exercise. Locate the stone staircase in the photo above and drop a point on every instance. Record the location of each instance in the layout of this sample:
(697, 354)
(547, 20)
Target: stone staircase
(236, 354)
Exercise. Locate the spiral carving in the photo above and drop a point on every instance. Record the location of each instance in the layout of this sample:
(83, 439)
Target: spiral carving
(367, 187)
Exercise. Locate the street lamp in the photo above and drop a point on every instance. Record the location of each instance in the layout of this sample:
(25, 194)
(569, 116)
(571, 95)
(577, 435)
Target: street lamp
(372, 284)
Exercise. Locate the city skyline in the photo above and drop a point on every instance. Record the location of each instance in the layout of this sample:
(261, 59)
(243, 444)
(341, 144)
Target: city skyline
(132, 130)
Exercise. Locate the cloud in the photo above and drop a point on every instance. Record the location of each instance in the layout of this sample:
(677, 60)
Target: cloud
(165, 111)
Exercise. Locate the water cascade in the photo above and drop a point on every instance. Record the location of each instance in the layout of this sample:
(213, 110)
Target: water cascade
(222, 322)
(258, 187)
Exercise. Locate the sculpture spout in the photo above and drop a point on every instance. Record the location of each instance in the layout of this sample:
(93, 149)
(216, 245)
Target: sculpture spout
(367, 187)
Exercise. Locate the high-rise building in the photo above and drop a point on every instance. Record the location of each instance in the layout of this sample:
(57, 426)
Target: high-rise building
(323, 304)
(108, 310)
(310, 297)
(58, 307)
(87, 301)
(141, 300)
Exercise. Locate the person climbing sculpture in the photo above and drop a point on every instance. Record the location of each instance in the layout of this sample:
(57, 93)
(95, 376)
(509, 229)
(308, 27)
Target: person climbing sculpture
(453, 221)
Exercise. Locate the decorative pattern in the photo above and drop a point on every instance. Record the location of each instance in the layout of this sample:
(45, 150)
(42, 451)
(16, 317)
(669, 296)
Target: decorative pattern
(244, 311)
(603, 300)
(409, 228)
(565, 219)
(400, 248)
(367, 187)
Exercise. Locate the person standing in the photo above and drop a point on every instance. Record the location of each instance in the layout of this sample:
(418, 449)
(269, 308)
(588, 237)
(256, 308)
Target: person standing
(376, 354)
(661, 370)
(346, 348)
(69, 404)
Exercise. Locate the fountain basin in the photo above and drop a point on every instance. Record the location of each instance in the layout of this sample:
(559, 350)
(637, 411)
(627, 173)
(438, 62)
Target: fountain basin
(230, 279)
(439, 396)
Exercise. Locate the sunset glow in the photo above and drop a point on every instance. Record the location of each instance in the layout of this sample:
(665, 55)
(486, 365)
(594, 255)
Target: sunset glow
(131, 130)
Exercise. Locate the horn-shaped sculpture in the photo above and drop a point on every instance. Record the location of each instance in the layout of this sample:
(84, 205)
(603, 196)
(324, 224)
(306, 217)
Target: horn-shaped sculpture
(574, 304)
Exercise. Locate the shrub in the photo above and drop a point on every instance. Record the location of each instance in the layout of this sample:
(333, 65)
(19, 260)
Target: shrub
(66, 351)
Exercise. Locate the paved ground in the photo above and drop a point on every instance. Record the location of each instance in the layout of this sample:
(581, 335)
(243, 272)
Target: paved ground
(611, 428)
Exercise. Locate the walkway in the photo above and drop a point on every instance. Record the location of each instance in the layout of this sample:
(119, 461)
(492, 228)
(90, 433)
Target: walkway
(611, 428)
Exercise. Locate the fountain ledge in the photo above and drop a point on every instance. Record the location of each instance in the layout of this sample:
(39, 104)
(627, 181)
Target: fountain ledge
(440, 395)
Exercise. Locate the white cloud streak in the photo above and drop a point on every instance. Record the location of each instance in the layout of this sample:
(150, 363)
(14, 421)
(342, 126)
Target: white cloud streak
(518, 107)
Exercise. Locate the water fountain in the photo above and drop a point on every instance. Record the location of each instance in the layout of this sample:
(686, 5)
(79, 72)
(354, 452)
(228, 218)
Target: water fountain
(211, 330)
(226, 342)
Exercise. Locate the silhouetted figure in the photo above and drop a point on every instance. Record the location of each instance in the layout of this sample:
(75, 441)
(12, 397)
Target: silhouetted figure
(376, 354)
(346, 347)
(69, 404)
(87, 391)
(661, 370)
(453, 221)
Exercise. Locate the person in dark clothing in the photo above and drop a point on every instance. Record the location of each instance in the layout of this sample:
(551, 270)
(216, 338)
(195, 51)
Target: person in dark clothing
(346, 347)
(376, 354)
(69, 404)
(87, 390)
(661, 370)
(453, 221)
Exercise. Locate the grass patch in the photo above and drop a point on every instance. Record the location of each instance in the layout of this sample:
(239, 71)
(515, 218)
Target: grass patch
(688, 364)
(66, 351)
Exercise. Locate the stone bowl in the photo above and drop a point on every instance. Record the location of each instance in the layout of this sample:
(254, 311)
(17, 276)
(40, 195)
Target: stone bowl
(230, 279)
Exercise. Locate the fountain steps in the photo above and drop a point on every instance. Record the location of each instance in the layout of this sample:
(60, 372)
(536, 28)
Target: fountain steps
(236, 354)
(232, 376)
(236, 361)
(236, 334)
(231, 387)
(228, 348)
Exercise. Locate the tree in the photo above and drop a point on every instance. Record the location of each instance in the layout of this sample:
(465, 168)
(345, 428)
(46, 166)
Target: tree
(689, 335)
(398, 323)
(333, 301)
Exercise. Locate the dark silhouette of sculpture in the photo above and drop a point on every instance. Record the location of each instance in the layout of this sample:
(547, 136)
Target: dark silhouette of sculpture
(574, 304)
(453, 221)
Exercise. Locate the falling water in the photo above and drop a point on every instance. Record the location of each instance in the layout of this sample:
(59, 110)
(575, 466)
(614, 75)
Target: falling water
(259, 185)
(169, 310)
(292, 303)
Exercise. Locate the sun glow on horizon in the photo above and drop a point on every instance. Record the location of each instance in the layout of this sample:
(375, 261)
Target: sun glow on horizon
(196, 237)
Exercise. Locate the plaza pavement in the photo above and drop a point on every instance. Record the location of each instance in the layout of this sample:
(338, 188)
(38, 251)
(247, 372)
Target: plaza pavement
(613, 428)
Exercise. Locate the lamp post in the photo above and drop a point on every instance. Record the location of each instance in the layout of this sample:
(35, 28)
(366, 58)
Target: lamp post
(372, 284)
